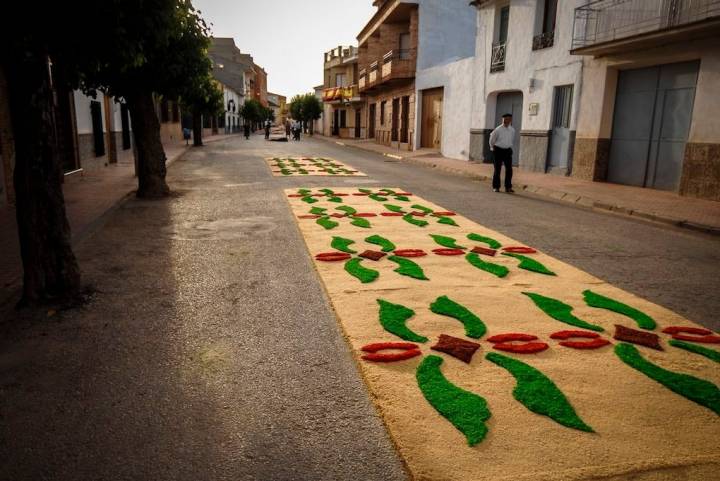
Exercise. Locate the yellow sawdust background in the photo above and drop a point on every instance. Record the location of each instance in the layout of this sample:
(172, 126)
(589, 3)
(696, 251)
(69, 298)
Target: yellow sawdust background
(313, 171)
(643, 430)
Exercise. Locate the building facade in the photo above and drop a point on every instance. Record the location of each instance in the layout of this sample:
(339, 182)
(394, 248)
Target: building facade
(649, 101)
(523, 66)
(343, 106)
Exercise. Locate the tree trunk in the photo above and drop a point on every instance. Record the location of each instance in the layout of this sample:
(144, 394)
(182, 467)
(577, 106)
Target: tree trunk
(151, 158)
(197, 130)
(50, 270)
(312, 128)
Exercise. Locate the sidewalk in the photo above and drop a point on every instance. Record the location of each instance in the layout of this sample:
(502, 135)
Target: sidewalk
(88, 197)
(648, 204)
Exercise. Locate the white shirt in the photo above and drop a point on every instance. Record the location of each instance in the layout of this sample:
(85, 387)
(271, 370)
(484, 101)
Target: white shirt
(502, 137)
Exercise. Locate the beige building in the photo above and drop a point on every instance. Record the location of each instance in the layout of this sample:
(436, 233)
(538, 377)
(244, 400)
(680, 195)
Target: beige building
(343, 106)
(648, 113)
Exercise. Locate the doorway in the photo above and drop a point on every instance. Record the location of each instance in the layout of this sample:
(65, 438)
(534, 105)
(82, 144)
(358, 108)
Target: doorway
(653, 111)
(395, 120)
(560, 134)
(405, 124)
(358, 119)
(431, 126)
(125, 125)
(371, 122)
(97, 127)
(336, 123)
(511, 103)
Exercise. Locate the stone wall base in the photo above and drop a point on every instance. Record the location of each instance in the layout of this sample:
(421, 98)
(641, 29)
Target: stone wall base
(590, 159)
(534, 150)
(479, 147)
(701, 171)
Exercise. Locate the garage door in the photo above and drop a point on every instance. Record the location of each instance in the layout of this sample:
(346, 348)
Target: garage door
(653, 110)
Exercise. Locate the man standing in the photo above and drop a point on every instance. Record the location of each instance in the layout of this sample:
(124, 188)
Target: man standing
(501, 142)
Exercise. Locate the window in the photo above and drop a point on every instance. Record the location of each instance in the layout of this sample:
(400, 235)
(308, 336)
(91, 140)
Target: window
(405, 46)
(563, 106)
(340, 80)
(97, 126)
(503, 23)
(545, 24)
(382, 112)
(343, 119)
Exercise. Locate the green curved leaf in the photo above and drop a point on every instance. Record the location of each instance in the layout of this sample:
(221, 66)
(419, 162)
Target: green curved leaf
(327, 223)
(327, 191)
(422, 208)
(495, 269)
(485, 240)
(318, 211)
(560, 311)
(538, 393)
(444, 241)
(347, 209)
(694, 348)
(304, 191)
(465, 410)
(412, 220)
(393, 318)
(401, 198)
(342, 244)
(530, 264)
(309, 199)
(408, 268)
(394, 208)
(690, 387)
(593, 299)
(377, 197)
(446, 220)
(335, 199)
(363, 274)
(360, 222)
(474, 326)
(385, 244)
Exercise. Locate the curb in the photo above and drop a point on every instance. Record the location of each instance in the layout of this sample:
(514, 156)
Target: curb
(565, 197)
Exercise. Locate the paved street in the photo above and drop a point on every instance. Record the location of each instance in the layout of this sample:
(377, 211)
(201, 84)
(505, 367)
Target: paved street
(210, 351)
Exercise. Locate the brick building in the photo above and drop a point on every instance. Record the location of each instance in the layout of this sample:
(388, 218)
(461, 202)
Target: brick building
(343, 105)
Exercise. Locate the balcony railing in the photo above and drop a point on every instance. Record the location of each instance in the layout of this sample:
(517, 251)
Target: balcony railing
(342, 94)
(373, 77)
(544, 40)
(604, 21)
(398, 64)
(497, 59)
(362, 81)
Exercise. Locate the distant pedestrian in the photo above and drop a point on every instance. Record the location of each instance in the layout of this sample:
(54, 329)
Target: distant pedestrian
(268, 124)
(501, 142)
(246, 130)
(287, 129)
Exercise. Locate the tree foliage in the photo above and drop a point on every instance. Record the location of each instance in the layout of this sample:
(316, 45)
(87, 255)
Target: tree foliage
(253, 111)
(305, 107)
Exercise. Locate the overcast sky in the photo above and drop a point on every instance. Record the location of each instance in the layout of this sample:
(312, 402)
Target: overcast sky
(288, 37)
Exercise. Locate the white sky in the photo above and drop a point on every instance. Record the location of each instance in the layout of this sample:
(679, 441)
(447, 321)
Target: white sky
(288, 37)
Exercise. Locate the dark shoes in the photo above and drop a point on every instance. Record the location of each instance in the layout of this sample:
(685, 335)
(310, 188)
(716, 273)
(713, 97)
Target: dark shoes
(510, 191)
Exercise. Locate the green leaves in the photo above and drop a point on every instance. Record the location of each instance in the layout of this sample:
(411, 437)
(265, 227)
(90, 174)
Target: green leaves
(342, 244)
(560, 311)
(385, 244)
(485, 240)
(412, 220)
(394, 208)
(530, 264)
(596, 300)
(393, 318)
(444, 241)
(347, 209)
(465, 410)
(354, 268)
(495, 269)
(408, 268)
(327, 223)
(360, 222)
(474, 327)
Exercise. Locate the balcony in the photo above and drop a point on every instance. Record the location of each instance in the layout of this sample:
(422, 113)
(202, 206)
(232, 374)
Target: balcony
(544, 40)
(398, 64)
(609, 26)
(362, 79)
(497, 59)
(336, 95)
(373, 77)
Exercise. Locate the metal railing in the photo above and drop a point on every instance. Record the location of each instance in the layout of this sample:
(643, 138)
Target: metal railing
(544, 40)
(607, 20)
(497, 59)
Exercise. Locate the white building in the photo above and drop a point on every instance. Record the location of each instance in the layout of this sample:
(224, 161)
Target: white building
(523, 66)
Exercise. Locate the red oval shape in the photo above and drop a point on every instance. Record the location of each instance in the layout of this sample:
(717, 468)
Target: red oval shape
(511, 336)
(365, 214)
(403, 193)
(309, 216)
(333, 256)
(688, 330)
(569, 334)
(380, 346)
(295, 195)
(396, 356)
(410, 253)
(360, 194)
(449, 252)
(341, 195)
(702, 339)
(338, 216)
(592, 344)
(392, 214)
(527, 348)
(418, 214)
(520, 250)
(444, 214)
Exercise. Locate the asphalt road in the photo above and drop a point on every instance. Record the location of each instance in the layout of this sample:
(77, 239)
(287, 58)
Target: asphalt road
(210, 351)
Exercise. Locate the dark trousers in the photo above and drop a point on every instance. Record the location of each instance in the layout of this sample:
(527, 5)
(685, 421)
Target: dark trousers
(502, 157)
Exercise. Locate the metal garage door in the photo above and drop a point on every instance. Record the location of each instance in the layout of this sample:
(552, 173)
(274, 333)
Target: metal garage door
(653, 110)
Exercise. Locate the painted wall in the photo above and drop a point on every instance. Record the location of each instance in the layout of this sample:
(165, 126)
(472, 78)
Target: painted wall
(82, 111)
(446, 32)
(457, 80)
(549, 67)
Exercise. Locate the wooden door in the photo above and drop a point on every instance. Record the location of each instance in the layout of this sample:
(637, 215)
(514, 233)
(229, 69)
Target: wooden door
(432, 109)
(371, 122)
